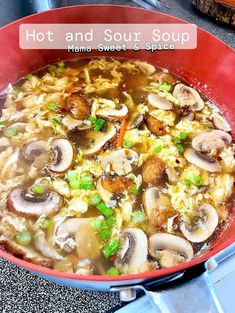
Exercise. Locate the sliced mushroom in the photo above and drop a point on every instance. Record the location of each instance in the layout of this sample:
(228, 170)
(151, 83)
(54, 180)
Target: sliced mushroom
(81, 231)
(209, 141)
(34, 149)
(153, 171)
(63, 155)
(188, 97)
(201, 160)
(135, 121)
(96, 140)
(25, 253)
(157, 207)
(170, 250)
(150, 197)
(112, 113)
(221, 123)
(172, 175)
(32, 205)
(133, 252)
(72, 123)
(204, 226)
(159, 102)
(146, 68)
(42, 246)
(106, 195)
(120, 161)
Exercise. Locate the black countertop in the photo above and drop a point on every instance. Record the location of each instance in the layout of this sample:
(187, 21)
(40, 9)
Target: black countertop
(22, 292)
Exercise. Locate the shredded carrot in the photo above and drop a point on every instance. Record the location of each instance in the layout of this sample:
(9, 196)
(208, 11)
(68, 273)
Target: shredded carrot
(122, 133)
(70, 88)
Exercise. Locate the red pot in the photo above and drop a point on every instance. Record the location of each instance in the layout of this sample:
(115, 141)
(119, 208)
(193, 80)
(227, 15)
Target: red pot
(210, 67)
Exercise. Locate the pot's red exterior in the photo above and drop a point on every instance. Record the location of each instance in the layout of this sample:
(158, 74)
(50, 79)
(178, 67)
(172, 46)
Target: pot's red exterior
(210, 68)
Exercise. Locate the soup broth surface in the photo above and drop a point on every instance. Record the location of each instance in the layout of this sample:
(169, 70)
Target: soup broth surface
(111, 166)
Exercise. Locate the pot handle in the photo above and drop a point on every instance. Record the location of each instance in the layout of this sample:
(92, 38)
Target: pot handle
(194, 296)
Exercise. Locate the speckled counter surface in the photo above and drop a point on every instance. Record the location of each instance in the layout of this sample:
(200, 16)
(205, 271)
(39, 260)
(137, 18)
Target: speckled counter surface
(22, 292)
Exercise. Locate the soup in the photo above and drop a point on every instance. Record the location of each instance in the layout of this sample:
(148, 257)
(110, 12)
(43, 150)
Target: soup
(111, 166)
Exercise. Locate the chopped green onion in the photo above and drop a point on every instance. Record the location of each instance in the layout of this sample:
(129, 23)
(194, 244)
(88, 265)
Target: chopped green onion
(52, 68)
(24, 238)
(113, 271)
(104, 209)
(164, 87)
(87, 186)
(111, 248)
(95, 199)
(61, 64)
(86, 179)
(74, 184)
(92, 119)
(135, 191)
(187, 181)
(157, 149)
(110, 221)
(72, 175)
(183, 136)
(28, 76)
(52, 106)
(2, 123)
(9, 132)
(38, 190)
(18, 88)
(127, 144)
(58, 122)
(138, 217)
(177, 139)
(180, 148)
(98, 223)
(60, 70)
(99, 124)
(105, 234)
(47, 223)
(196, 180)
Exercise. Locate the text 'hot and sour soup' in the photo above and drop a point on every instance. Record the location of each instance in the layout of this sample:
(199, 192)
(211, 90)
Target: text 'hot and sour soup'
(111, 167)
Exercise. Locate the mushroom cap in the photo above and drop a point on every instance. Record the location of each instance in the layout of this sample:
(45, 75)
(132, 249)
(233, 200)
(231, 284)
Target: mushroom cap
(98, 139)
(87, 244)
(167, 246)
(152, 199)
(201, 160)
(112, 113)
(220, 122)
(146, 68)
(159, 102)
(63, 155)
(188, 97)
(153, 171)
(211, 140)
(33, 149)
(32, 205)
(204, 227)
(42, 246)
(120, 161)
(133, 252)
